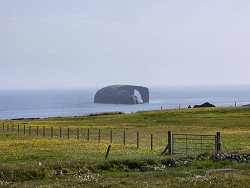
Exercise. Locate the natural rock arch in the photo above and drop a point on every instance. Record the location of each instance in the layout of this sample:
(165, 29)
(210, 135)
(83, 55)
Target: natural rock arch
(121, 94)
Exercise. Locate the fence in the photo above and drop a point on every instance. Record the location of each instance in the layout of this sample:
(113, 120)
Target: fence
(123, 137)
(186, 143)
(153, 140)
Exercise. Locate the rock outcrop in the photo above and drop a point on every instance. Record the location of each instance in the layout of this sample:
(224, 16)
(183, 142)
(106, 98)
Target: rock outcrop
(121, 94)
(206, 104)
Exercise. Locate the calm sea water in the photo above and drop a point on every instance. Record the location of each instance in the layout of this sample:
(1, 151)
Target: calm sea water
(54, 103)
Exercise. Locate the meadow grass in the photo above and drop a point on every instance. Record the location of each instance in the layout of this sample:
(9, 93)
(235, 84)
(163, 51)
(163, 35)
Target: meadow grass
(21, 153)
(233, 123)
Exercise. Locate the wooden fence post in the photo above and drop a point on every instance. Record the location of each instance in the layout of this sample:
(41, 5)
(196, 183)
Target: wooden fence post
(78, 132)
(218, 144)
(124, 137)
(99, 136)
(60, 132)
(7, 127)
(3, 127)
(107, 153)
(68, 133)
(12, 128)
(51, 132)
(137, 140)
(111, 135)
(43, 131)
(170, 143)
(37, 131)
(18, 129)
(88, 137)
(151, 144)
(24, 129)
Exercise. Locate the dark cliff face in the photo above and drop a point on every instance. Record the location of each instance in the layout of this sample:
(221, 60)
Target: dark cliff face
(121, 94)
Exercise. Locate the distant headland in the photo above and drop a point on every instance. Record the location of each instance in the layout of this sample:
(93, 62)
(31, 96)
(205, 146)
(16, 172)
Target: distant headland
(248, 105)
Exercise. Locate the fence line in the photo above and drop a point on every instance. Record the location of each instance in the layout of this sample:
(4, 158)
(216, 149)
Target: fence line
(127, 137)
(86, 134)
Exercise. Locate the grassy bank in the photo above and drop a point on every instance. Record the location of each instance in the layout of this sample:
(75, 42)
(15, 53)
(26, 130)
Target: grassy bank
(86, 172)
(33, 159)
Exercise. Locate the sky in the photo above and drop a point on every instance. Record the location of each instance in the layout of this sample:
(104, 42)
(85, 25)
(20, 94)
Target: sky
(65, 44)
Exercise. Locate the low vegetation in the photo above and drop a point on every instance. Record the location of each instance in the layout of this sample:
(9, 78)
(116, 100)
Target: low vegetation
(31, 160)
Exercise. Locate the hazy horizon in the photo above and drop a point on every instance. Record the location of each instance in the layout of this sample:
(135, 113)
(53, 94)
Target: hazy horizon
(58, 103)
(64, 44)
(150, 87)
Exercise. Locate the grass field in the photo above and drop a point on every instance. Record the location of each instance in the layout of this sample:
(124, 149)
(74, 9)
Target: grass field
(33, 157)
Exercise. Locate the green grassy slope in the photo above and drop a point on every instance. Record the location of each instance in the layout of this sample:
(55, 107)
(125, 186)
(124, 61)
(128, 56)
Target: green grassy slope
(82, 162)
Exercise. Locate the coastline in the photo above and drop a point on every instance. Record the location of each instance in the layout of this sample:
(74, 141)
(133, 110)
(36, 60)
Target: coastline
(62, 103)
(117, 113)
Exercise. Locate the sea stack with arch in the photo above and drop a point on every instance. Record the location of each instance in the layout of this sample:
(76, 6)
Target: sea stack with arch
(121, 94)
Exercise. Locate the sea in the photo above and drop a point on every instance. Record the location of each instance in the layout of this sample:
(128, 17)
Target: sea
(80, 102)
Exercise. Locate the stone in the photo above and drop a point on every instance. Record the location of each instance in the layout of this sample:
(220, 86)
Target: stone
(146, 168)
(199, 176)
(57, 173)
(156, 168)
(235, 161)
(248, 158)
(121, 94)
(171, 163)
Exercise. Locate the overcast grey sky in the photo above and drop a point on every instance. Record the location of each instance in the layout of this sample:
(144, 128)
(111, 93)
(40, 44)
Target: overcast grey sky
(84, 43)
